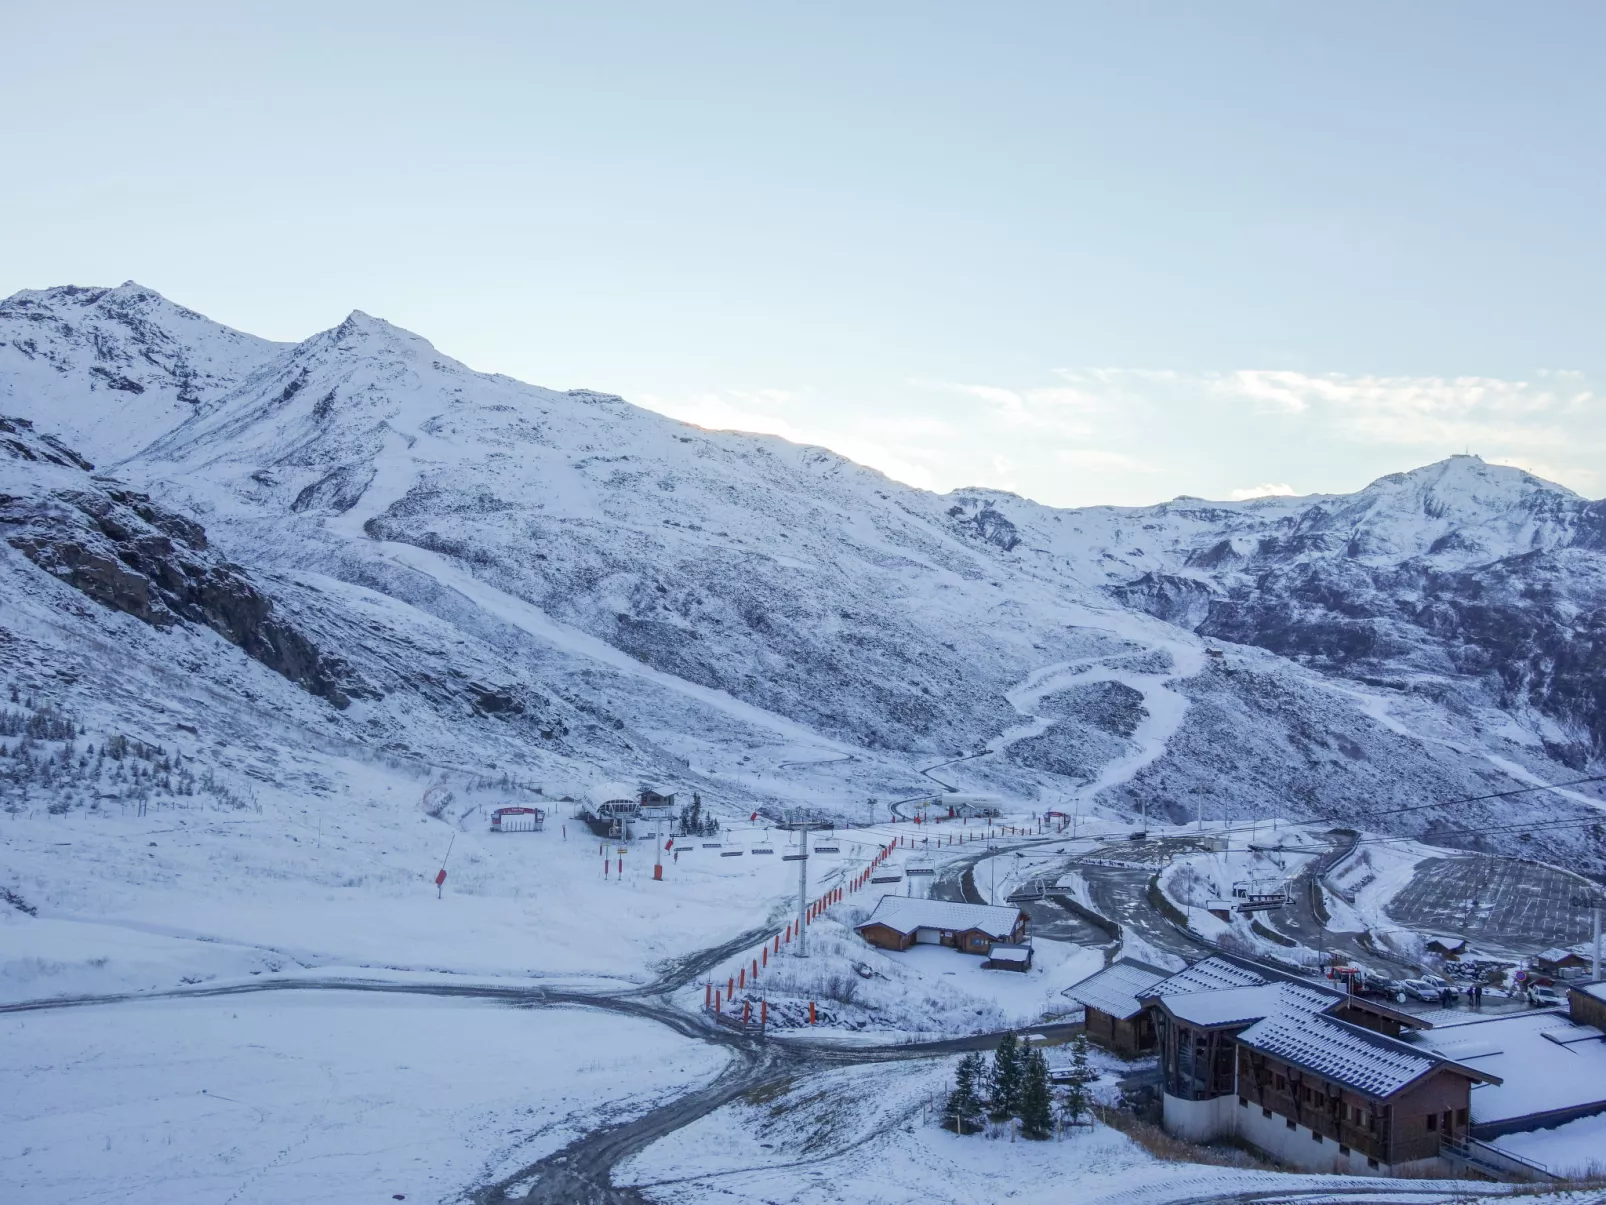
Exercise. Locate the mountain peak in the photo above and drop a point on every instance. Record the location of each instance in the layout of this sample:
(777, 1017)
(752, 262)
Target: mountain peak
(1469, 471)
(364, 327)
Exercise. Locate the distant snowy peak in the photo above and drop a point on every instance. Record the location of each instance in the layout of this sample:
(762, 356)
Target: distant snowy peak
(112, 369)
(1459, 510)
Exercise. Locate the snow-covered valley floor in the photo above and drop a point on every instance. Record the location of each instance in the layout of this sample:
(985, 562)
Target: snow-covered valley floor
(312, 1097)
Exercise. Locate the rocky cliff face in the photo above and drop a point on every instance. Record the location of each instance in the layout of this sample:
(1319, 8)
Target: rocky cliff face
(131, 555)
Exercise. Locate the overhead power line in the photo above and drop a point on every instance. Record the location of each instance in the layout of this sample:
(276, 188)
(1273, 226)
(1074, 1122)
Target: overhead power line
(1446, 803)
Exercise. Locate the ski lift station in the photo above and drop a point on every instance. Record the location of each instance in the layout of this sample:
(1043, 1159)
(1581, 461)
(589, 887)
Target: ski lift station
(616, 810)
(962, 805)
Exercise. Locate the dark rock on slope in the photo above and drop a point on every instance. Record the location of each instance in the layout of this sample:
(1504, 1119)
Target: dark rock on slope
(127, 553)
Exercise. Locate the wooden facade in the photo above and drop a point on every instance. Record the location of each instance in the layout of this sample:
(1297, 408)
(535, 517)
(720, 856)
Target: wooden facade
(1196, 1062)
(885, 937)
(1128, 1037)
(1404, 1127)
(1588, 1007)
(1239, 1061)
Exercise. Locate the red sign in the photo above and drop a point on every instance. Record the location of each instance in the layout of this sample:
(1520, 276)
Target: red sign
(440, 876)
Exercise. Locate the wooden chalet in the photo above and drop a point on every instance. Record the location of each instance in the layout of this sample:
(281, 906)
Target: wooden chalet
(899, 922)
(1316, 1078)
(1586, 1004)
(1561, 963)
(1115, 1018)
(1005, 956)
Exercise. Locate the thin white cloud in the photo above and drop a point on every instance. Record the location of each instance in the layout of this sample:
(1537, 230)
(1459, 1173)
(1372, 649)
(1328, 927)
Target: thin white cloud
(1130, 436)
(1267, 489)
(1424, 410)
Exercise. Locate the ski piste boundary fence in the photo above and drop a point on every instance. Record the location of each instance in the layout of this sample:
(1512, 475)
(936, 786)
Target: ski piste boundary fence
(720, 1001)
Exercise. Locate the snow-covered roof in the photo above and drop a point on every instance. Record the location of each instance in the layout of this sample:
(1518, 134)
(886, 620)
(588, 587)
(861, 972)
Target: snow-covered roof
(1251, 1002)
(1213, 974)
(1115, 989)
(1558, 953)
(905, 914)
(1597, 990)
(1545, 1063)
(1348, 1054)
(614, 792)
(1003, 952)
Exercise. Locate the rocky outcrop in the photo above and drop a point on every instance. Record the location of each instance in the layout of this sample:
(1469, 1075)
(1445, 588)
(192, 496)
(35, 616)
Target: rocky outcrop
(131, 555)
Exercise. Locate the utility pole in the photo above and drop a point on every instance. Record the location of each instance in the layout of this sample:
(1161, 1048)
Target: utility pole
(802, 896)
(804, 827)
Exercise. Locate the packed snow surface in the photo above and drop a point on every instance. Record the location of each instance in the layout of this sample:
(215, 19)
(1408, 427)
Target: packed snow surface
(312, 1096)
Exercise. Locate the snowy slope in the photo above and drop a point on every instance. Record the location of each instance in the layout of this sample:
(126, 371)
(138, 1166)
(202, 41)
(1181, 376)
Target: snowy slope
(768, 621)
(110, 369)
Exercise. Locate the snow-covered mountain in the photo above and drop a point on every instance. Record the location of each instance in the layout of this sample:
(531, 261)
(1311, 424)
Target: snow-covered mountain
(568, 586)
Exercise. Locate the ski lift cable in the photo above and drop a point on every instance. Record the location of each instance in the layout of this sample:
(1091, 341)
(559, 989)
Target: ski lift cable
(1445, 803)
(1483, 829)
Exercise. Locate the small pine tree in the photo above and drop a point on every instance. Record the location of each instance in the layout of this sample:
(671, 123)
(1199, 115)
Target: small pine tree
(964, 1113)
(1077, 1102)
(1004, 1088)
(1036, 1098)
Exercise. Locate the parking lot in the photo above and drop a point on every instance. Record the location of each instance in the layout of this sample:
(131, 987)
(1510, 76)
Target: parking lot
(1521, 907)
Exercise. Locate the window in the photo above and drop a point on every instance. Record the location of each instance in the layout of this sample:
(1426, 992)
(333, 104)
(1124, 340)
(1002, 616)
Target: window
(1433, 1121)
(1372, 1163)
(1282, 1084)
(1342, 1149)
(1460, 1117)
(1243, 1102)
(1315, 1137)
(1289, 1122)
(1265, 1112)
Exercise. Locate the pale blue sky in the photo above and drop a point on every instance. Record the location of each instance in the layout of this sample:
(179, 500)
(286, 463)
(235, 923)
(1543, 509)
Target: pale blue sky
(1093, 253)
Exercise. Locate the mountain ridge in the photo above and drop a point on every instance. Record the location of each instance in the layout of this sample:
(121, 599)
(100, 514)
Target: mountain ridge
(760, 586)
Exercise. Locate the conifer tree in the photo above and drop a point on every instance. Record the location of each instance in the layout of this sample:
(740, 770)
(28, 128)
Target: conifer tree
(1004, 1089)
(1036, 1097)
(1077, 1102)
(964, 1102)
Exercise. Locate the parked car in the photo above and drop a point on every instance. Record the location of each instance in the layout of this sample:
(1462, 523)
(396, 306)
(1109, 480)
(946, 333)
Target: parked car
(1545, 997)
(1422, 989)
(1383, 987)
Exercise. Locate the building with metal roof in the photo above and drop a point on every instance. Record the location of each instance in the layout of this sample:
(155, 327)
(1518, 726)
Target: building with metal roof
(899, 922)
(1114, 1016)
(1316, 1077)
